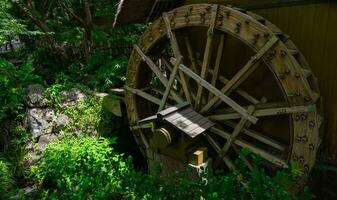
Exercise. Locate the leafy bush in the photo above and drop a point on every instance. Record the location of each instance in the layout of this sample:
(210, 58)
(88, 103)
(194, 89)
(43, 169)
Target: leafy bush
(6, 180)
(13, 82)
(88, 168)
(81, 168)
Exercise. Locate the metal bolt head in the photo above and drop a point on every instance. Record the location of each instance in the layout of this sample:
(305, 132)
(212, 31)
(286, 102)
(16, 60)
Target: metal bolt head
(304, 116)
(312, 124)
(311, 147)
(283, 53)
(307, 98)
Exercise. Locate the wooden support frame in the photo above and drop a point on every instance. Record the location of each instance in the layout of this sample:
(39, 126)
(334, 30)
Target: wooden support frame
(266, 112)
(250, 67)
(208, 52)
(218, 93)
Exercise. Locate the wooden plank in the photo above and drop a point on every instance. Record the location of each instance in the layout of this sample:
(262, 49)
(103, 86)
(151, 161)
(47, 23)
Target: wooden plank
(217, 148)
(177, 54)
(273, 159)
(172, 109)
(191, 54)
(217, 62)
(169, 84)
(184, 116)
(157, 72)
(144, 95)
(207, 52)
(218, 93)
(258, 136)
(266, 112)
(236, 132)
(243, 73)
(173, 116)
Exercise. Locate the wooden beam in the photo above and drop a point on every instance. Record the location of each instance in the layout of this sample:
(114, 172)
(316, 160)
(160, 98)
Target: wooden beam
(242, 75)
(217, 62)
(218, 93)
(177, 54)
(169, 84)
(271, 158)
(258, 136)
(265, 112)
(207, 52)
(144, 95)
(236, 132)
(157, 72)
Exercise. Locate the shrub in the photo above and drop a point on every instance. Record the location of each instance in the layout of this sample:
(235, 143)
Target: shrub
(6, 180)
(88, 168)
(81, 168)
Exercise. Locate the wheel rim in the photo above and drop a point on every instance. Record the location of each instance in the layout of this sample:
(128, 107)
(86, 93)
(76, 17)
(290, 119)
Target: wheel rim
(272, 54)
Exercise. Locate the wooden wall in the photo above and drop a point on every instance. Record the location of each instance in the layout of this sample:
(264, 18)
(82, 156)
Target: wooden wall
(313, 28)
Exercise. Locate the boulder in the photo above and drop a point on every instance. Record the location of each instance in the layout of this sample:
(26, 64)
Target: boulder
(61, 121)
(36, 97)
(40, 121)
(44, 140)
(70, 97)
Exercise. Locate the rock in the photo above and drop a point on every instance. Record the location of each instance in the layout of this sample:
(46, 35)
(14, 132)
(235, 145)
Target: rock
(44, 140)
(70, 97)
(35, 97)
(40, 121)
(61, 121)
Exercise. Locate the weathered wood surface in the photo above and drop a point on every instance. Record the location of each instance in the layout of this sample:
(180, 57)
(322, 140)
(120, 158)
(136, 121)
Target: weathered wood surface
(313, 28)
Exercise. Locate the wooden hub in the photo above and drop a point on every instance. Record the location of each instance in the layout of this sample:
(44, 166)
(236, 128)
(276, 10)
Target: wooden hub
(236, 69)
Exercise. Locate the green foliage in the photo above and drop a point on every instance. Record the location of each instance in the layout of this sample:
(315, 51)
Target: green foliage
(6, 179)
(13, 81)
(88, 168)
(81, 168)
(88, 117)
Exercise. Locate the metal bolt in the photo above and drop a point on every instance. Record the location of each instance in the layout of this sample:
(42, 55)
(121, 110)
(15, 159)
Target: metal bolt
(312, 124)
(298, 139)
(298, 93)
(237, 30)
(282, 76)
(311, 147)
(254, 41)
(287, 71)
(301, 159)
(297, 117)
(304, 139)
(297, 75)
(238, 24)
(266, 35)
(228, 13)
(306, 168)
(283, 53)
(247, 21)
(307, 98)
(304, 116)
(295, 157)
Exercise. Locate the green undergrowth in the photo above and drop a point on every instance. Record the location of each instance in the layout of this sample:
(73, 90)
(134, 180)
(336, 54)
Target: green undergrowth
(90, 168)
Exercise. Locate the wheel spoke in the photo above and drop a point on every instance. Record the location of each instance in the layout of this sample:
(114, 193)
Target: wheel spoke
(169, 84)
(217, 63)
(258, 136)
(144, 95)
(265, 112)
(191, 54)
(271, 158)
(177, 54)
(157, 72)
(236, 132)
(217, 148)
(207, 53)
(242, 93)
(218, 93)
(242, 75)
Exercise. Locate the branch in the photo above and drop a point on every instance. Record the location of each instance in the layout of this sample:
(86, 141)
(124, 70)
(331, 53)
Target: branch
(71, 12)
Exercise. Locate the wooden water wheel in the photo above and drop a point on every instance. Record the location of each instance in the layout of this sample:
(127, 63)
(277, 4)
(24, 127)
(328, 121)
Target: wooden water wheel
(237, 70)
